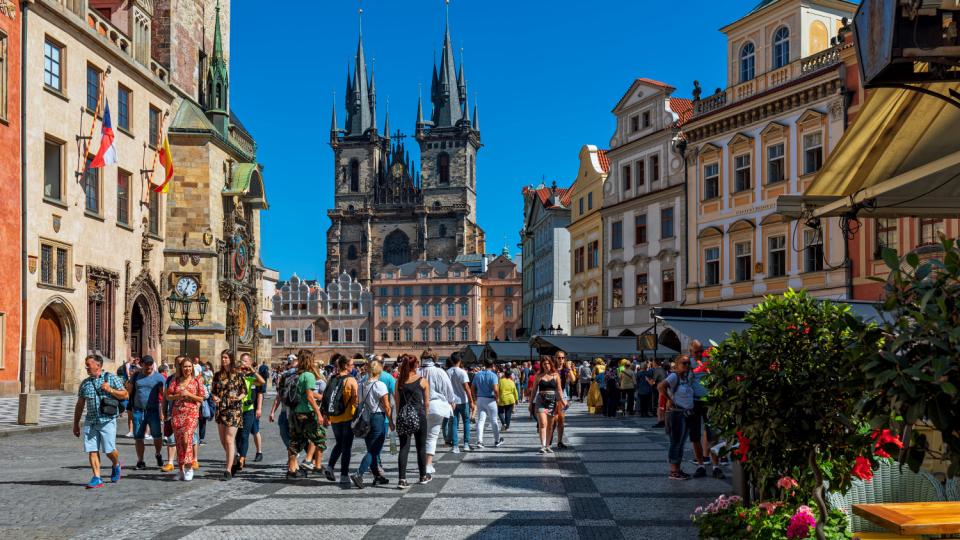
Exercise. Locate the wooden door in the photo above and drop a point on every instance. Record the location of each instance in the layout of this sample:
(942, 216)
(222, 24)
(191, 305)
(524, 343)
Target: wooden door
(49, 353)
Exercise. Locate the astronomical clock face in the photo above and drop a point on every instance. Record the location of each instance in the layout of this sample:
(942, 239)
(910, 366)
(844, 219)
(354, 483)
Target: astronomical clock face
(244, 322)
(241, 258)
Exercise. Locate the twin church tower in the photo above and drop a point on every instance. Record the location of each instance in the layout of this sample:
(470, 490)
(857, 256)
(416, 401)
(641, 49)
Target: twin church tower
(386, 212)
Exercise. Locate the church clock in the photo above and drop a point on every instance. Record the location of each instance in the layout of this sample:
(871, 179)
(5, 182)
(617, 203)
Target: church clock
(241, 259)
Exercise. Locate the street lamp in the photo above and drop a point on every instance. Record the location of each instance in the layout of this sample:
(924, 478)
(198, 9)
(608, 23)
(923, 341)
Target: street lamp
(656, 337)
(183, 305)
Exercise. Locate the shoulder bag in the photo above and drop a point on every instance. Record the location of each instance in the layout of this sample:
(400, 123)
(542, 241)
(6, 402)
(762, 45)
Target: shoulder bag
(361, 420)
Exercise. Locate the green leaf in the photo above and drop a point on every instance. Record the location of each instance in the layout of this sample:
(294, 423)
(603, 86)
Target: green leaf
(913, 259)
(890, 259)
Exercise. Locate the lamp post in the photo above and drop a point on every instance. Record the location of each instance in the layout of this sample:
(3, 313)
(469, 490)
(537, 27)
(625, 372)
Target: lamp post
(183, 305)
(656, 337)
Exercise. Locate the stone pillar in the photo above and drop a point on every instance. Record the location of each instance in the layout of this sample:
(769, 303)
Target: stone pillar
(29, 412)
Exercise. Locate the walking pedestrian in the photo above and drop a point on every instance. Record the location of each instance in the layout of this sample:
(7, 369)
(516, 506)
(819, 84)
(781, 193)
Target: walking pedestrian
(185, 392)
(146, 388)
(413, 402)
(645, 387)
(375, 404)
(126, 372)
(287, 376)
(678, 389)
(595, 395)
(567, 379)
(306, 419)
(229, 392)
(251, 409)
(507, 399)
(628, 387)
(340, 405)
(100, 394)
(264, 371)
(547, 400)
(486, 385)
(206, 375)
(583, 376)
(611, 389)
(464, 405)
(391, 383)
(442, 400)
(659, 375)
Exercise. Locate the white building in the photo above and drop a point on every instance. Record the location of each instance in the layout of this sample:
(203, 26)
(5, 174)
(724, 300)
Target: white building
(546, 258)
(644, 207)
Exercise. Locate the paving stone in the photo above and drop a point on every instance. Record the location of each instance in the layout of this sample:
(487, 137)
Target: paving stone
(494, 532)
(501, 508)
(505, 486)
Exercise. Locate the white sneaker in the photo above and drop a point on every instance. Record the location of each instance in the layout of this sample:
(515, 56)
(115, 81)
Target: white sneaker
(431, 470)
(188, 475)
(148, 437)
(129, 435)
(467, 447)
(456, 450)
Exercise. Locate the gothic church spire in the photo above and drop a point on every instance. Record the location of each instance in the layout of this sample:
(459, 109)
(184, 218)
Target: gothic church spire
(362, 99)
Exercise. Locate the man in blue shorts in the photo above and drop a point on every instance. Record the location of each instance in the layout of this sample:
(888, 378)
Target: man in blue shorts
(99, 426)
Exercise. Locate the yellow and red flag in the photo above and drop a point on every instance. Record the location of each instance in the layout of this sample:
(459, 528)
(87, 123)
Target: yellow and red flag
(166, 159)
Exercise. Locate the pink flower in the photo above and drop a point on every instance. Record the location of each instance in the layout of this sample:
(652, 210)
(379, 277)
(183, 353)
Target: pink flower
(769, 507)
(787, 483)
(801, 523)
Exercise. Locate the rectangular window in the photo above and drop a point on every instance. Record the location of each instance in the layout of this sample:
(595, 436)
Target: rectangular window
(436, 334)
(812, 152)
(451, 290)
(154, 135)
(436, 310)
(578, 313)
(123, 107)
(711, 266)
(100, 310)
(383, 310)
(46, 264)
(424, 334)
(593, 255)
(666, 223)
(307, 335)
(711, 181)
(53, 170)
(464, 333)
(63, 267)
(741, 173)
(640, 229)
(508, 291)
(641, 168)
(53, 65)
(464, 290)
(396, 310)
(424, 290)
(396, 291)
(581, 206)
(408, 291)
(886, 234)
(812, 251)
(616, 293)
(626, 178)
(578, 260)
(348, 335)
(383, 291)
(489, 310)
(294, 336)
(383, 334)
(424, 310)
(408, 310)
(589, 201)
(362, 335)
(592, 310)
(396, 333)
(91, 189)
(93, 87)
(508, 310)
(655, 167)
(407, 333)
(154, 220)
(451, 333)
(436, 290)
(669, 286)
(634, 124)
(646, 119)
(451, 309)
(279, 336)
(334, 335)
(464, 309)
(777, 256)
(123, 197)
(744, 261)
(930, 231)
(776, 164)
(616, 234)
(641, 292)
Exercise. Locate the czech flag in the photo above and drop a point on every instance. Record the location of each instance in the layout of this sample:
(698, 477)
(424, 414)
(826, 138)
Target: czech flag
(107, 155)
(166, 159)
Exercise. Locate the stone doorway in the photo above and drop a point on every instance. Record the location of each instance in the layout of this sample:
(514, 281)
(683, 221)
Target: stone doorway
(49, 352)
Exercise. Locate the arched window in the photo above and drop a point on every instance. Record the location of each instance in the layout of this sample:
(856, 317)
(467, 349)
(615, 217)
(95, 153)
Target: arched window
(396, 248)
(747, 62)
(819, 37)
(352, 252)
(354, 176)
(219, 98)
(781, 47)
(443, 168)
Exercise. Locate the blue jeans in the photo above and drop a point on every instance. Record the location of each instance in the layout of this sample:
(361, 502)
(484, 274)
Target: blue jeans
(374, 441)
(343, 432)
(679, 431)
(243, 434)
(284, 426)
(462, 411)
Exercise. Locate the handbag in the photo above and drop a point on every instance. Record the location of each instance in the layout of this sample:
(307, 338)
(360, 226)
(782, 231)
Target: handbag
(361, 421)
(109, 406)
(206, 410)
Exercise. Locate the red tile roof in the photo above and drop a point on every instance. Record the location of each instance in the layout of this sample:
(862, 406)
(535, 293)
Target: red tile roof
(683, 108)
(604, 161)
(544, 195)
(653, 82)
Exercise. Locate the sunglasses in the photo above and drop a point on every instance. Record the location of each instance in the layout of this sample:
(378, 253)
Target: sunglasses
(684, 363)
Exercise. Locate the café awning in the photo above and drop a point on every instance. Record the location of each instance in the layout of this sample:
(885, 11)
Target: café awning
(900, 157)
(508, 351)
(587, 346)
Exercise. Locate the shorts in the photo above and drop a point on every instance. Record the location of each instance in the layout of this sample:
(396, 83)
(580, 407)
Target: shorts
(143, 418)
(547, 403)
(697, 420)
(304, 428)
(99, 436)
(255, 427)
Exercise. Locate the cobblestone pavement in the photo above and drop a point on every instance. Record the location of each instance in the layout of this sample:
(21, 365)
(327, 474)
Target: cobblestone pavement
(56, 410)
(611, 484)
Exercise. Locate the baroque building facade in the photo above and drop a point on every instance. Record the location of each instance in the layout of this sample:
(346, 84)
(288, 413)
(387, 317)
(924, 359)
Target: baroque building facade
(11, 214)
(766, 135)
(644, 207)
(385, 211)
(587, 243)
(325, 321)
(545, 242)
(86, 294)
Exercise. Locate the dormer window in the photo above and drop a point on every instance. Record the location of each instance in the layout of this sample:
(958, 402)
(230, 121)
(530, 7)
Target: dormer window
(646, 119)
(747, 62)
(634, 124)
(781, 47)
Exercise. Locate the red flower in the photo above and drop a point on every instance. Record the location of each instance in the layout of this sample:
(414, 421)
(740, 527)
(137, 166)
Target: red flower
(806, 329)
(704, 367)
(862, 468)
(883, 439)
(744, 447)
(739, 378)
(792, 327)
(774, 366)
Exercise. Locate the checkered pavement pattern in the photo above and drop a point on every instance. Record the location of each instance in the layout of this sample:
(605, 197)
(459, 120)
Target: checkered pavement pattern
(55, 411)
(612, 483)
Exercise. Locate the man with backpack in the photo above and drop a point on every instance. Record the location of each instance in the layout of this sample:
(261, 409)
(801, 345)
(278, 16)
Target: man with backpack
(287, 398)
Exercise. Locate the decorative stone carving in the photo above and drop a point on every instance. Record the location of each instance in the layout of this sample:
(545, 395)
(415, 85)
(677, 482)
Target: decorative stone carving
(195, 259)
(836, 109)
(56, 223)
(97, 281)
(184, 259)
(78, 272)
(32, 264)
(145, 291)
(8, 8)
(146, 246)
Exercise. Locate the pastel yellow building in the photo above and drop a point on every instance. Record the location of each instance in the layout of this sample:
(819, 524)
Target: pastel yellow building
(765, 136)
(587, 242)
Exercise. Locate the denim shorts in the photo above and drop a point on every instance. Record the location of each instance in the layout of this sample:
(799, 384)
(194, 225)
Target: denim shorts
(100, 436)
(143, 418)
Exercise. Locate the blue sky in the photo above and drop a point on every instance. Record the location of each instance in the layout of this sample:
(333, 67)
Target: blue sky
(546, 75)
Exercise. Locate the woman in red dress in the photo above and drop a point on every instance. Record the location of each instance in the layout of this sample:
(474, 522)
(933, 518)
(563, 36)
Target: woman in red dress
(186, 392)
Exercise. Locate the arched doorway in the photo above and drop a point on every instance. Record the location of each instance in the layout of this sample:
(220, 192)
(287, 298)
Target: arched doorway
(48, 356)
(142, 317)
(136, 331)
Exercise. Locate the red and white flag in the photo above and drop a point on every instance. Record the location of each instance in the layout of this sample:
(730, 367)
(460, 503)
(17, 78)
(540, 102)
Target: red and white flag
(107, 155)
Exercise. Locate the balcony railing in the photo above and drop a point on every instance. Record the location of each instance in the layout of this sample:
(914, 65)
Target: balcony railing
(768, 81)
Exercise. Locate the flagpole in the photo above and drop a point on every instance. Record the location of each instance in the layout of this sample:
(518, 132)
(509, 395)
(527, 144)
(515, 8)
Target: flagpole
(93, 125)
(153, 166)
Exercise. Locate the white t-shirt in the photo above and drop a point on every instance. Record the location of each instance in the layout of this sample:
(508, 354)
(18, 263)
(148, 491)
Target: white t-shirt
(372, 394)
(458, 378)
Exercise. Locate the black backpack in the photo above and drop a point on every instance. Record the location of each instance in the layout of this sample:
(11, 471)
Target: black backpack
(332, 403)
(289, 392)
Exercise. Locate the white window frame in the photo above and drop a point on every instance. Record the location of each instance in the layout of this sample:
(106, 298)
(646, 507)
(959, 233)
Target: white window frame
(810, 145)
(743, 250)
(708, 259)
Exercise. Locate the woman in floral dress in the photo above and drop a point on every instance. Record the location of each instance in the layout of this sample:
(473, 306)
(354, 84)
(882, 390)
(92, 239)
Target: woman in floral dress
(228, 391)
(186, 392)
